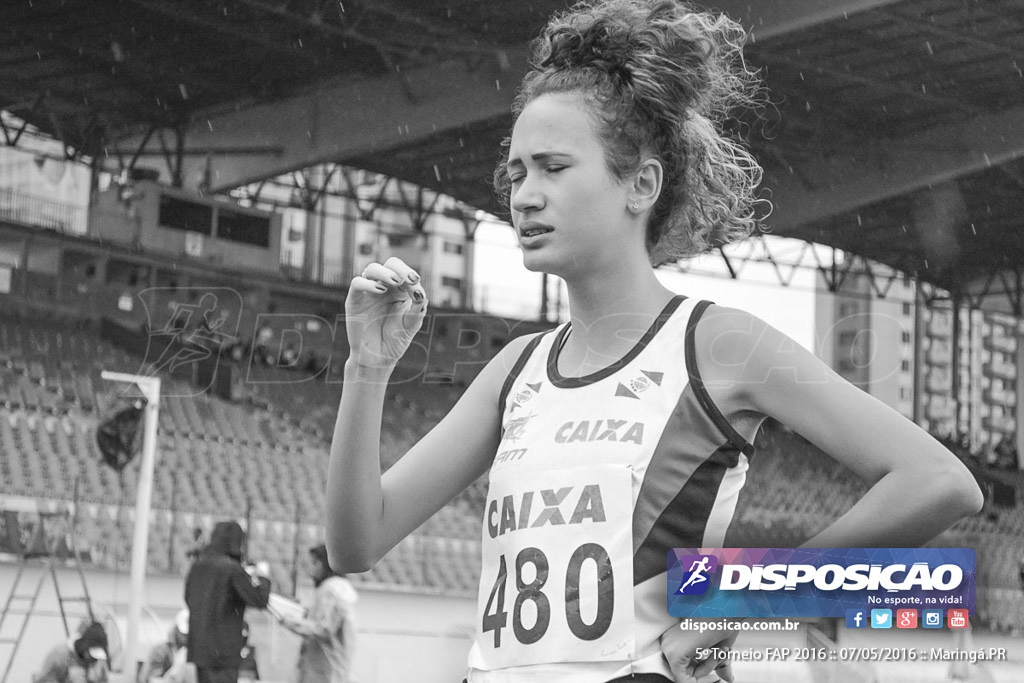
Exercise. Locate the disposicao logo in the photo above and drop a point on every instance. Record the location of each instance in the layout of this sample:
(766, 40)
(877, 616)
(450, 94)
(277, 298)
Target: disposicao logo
(697, 579)
(818, 582)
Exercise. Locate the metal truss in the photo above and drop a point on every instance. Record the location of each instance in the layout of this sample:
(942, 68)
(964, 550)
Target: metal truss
(307, 188)
(17, 132)
(1001, 289)
(789, 256)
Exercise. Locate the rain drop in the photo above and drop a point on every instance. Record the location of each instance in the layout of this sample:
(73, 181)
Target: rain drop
(807, 106)
(437, 173)
(497, 84)
(209, 125)
(973, 230)
(928, 46)
(183, 90)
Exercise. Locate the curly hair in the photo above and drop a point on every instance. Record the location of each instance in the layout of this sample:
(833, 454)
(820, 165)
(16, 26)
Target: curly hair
(660, 79)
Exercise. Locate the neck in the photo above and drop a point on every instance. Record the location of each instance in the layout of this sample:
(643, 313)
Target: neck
(621, 301)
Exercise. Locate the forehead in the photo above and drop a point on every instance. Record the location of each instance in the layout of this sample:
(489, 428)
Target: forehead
(554, 123)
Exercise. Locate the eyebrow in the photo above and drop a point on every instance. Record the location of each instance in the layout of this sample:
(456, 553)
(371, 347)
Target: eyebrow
(539, 156)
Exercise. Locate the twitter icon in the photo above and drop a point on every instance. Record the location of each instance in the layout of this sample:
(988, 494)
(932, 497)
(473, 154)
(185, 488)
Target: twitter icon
(881, 618)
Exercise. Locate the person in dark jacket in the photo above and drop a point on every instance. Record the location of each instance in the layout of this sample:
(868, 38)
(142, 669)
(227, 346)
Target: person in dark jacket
(83, 659)
(217, 591)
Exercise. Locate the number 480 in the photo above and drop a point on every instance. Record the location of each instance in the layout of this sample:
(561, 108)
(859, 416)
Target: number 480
(496, 616)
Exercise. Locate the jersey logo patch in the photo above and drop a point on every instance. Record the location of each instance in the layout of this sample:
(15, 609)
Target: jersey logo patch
(515, 428)
(639, 384)
(525, 395)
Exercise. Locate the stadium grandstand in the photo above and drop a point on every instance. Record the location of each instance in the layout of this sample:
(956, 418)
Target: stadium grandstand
(209, 237)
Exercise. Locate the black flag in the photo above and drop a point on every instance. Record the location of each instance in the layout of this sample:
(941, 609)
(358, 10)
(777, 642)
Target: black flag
(120, 437)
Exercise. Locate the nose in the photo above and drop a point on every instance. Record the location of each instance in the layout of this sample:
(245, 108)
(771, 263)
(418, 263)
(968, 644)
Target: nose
(526, 196)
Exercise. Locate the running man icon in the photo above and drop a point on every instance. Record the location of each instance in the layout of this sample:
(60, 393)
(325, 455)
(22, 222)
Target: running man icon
(698, 570)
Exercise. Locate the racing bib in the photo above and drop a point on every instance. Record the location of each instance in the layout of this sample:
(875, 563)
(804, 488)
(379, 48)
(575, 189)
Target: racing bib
(556, 582)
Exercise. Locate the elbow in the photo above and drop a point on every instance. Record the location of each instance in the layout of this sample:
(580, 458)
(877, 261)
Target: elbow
(345, 559)
(959, 492)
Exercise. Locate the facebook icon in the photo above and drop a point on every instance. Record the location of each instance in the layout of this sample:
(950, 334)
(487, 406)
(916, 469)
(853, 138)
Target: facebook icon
(856, 618)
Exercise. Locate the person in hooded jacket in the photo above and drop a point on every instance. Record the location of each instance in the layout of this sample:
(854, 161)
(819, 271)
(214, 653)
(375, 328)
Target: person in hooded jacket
(83, 659)
(217, 591)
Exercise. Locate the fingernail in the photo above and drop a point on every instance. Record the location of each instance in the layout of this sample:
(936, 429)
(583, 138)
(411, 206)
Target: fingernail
(414, 278)
(381, 288)
(395, 280)
(417, 295)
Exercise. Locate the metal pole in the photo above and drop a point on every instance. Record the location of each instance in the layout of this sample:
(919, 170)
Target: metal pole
(150, 387)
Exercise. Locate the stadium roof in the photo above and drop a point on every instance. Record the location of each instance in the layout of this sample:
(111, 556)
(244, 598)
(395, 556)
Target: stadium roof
(898, 132)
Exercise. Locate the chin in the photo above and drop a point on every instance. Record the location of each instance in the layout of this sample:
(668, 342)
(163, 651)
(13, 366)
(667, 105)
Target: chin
(537, 263)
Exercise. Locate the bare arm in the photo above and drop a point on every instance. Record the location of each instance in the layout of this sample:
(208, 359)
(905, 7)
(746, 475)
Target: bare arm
(368, 514)
(751, 367)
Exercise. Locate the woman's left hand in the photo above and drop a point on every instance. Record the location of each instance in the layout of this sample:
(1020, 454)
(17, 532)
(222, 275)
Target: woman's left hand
(688, 656)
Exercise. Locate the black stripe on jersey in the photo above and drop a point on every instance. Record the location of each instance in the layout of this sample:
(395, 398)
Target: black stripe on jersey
(682, 523)
(516, 369)
(575, 382)
(698, 384)
(680, 487)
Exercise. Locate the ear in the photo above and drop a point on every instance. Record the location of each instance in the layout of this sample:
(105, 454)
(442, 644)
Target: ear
(646, 185)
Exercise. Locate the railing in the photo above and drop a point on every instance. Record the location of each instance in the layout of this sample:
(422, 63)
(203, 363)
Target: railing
(19, 207)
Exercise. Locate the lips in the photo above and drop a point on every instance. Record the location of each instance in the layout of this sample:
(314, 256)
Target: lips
(533, 229)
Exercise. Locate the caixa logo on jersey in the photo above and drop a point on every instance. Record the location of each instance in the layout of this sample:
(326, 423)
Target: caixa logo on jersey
(816, 582)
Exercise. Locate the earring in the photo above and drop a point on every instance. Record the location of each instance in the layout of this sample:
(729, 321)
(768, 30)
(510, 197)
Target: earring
(636, 206)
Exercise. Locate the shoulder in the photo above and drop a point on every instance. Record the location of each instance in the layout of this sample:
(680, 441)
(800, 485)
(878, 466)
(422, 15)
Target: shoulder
(505, 361)
(342, 589)
(744, 358)
(728, 337)
(513, 350)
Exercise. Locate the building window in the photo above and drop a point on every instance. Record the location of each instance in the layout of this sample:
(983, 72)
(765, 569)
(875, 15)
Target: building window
(449, 281)
(905, 365)
(452, 248)
(365, 249)
(906, 337)
(906, 308)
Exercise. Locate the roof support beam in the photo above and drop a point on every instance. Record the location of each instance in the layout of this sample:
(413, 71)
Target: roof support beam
(342, 122)
(884, 170)
(770, 18)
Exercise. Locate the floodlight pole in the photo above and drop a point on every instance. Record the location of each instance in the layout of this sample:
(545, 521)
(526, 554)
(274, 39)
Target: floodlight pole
(150, 388)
